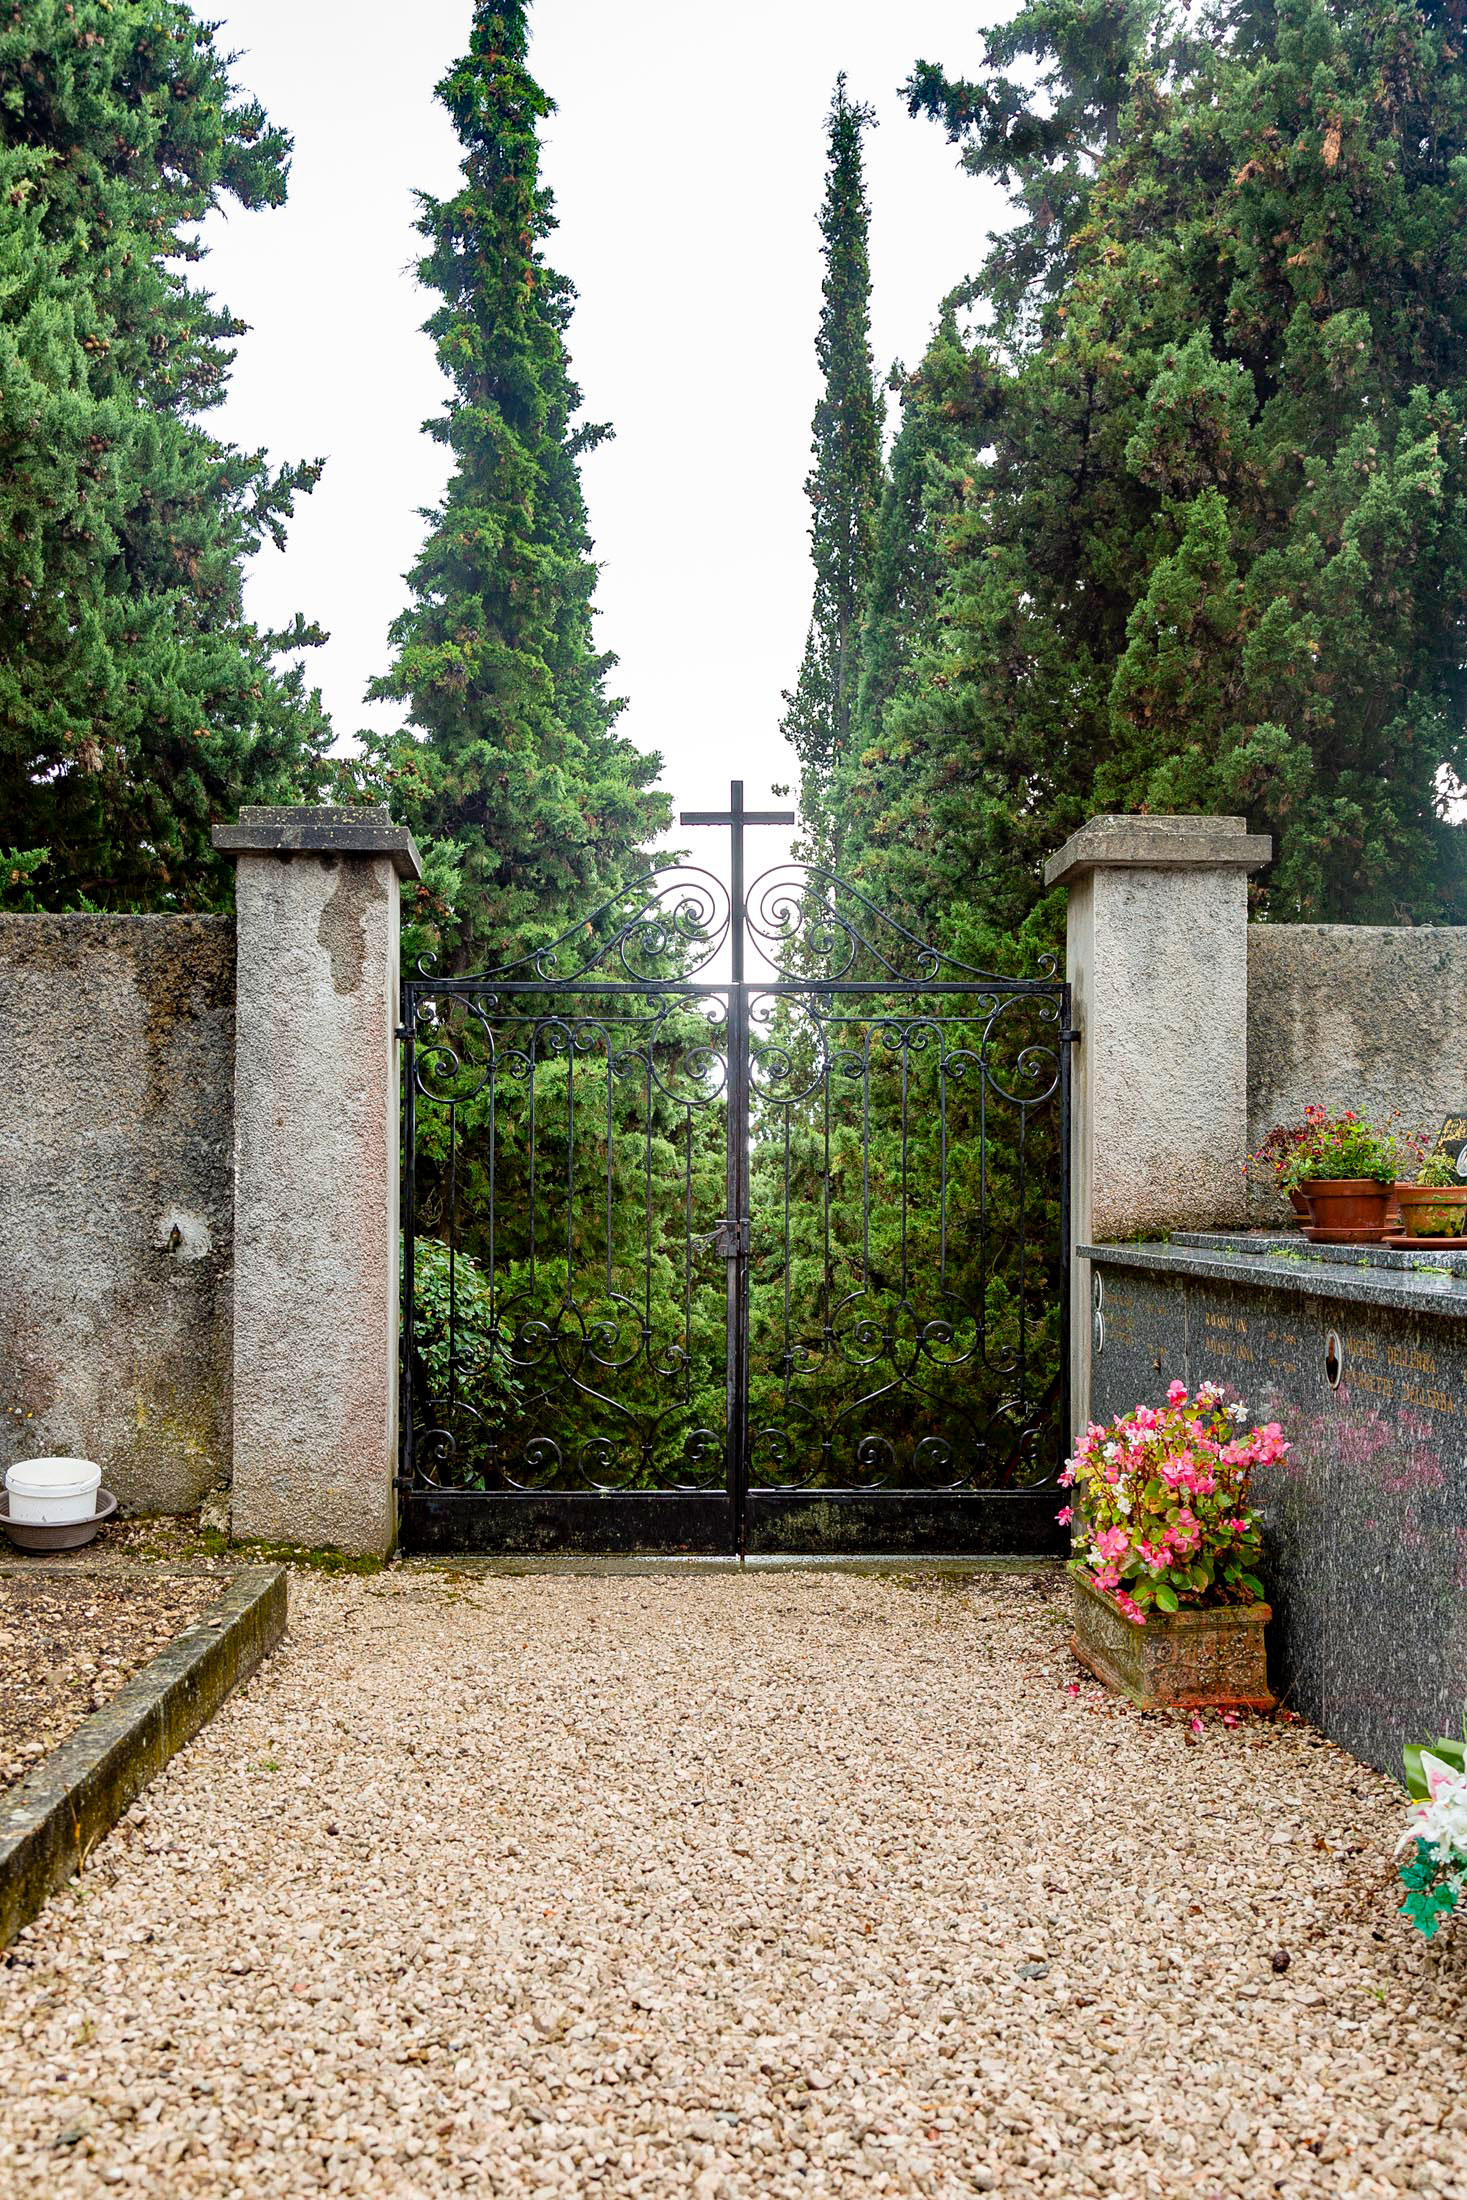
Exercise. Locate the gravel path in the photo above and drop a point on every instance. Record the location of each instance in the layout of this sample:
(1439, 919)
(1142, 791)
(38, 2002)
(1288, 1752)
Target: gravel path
(734, 1890)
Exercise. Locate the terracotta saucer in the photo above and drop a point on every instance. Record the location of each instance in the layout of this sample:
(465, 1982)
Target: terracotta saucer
(1343, 1237)
(1405, 1244)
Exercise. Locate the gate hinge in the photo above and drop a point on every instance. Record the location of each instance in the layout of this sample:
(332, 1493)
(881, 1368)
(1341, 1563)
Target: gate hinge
(730, 1238)
(1070, 1036)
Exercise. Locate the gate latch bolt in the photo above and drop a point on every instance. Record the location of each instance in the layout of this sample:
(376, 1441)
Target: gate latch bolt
(731, 1238)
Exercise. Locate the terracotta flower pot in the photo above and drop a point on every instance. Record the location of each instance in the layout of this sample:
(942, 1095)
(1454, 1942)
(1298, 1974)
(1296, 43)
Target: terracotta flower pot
(1348, 1210)
(1299, 1201)
(1189, 1658)
(1433, 1210)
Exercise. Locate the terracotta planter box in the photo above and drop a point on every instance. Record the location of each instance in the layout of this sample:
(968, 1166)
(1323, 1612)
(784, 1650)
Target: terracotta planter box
(1348, 1210)
(1432, 1210)
(1182, 1658)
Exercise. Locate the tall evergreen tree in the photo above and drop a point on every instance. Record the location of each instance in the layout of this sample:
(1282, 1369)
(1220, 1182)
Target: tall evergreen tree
(512, 768)
(926, 482)
(1215, 555)
(138, 704)
(844, 484)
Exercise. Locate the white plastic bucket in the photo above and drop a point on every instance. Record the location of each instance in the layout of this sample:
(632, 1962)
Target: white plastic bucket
(50, 1492)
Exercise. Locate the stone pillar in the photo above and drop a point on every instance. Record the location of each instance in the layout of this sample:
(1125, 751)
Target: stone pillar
(1158, 962)
(316, 1174)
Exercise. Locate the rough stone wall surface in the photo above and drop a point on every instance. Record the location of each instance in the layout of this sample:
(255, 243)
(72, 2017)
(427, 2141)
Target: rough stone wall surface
(1164, 1036)
(1362, 1016)
(116, 1204)
(316, 1137)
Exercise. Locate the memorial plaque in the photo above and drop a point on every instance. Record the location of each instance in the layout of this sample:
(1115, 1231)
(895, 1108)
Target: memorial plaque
(1399, 1593)
(1138, 1342)
(1268, 1348)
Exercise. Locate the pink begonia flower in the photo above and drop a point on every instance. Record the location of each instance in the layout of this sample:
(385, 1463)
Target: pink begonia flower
(1145, 1417)
(1106, 1577)
(1113, 1543)
(1130, 1607)
(1176, 1392)
(1065, 1515)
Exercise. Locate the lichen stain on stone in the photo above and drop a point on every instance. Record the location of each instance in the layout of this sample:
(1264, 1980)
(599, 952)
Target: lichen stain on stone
(342, 930)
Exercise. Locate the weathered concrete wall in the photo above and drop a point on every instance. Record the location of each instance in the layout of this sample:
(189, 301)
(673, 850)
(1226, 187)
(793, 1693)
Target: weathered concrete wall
(1362, 1016)
(116, 1198)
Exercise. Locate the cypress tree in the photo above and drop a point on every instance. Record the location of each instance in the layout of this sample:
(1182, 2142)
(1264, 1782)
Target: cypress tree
(511, 769)
(138, 704)
(1215, 553)
(925, 484)
(844, 483)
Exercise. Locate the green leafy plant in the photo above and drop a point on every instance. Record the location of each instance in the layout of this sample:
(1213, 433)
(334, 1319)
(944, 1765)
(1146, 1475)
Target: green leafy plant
(1343, 1146)
(1164, 1519)
(1439, 1170)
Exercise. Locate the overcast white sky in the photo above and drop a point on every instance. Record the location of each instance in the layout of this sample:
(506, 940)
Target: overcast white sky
(687, 162)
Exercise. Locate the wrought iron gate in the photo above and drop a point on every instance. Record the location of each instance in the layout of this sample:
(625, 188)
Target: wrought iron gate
(721, 1262)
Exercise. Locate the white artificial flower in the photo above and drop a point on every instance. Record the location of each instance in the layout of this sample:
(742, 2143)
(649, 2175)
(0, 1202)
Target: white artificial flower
(1442, 1819)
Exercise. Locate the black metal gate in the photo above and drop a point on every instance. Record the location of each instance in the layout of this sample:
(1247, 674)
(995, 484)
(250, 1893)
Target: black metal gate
(714, 1263)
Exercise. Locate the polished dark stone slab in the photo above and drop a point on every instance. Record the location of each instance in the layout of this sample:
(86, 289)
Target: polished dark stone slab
(1366, 1520)
(1384, 1279)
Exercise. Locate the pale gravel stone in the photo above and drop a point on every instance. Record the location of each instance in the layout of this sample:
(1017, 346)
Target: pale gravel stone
(729, 1888)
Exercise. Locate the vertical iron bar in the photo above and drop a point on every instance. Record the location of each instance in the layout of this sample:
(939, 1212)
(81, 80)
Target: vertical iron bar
(737, 1409)
(406, 1465)
(1068, 1038)
(452, 1255)
(688, 1257)
(787, 1111)
(570, 1160)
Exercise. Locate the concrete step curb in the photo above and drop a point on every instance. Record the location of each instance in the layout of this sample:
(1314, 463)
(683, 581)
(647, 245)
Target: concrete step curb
(52, 1819)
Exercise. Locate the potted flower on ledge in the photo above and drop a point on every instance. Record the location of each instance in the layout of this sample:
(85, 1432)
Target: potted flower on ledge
(1344, 1167)
(1434, 1208)
(1168, 1605)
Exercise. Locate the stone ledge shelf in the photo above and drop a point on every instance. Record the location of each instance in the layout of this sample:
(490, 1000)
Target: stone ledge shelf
(1361, 1354)
(1360, 1275)
(284, 829)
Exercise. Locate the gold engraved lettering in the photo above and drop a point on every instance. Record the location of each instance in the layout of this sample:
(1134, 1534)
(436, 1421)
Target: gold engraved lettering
(1430, 1401)
(1404, 1355)
(1378, 1386)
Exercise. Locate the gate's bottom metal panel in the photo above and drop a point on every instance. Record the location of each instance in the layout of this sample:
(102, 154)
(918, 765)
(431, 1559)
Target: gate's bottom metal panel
(624, 1520)
(962, 1523)
(987, 1523)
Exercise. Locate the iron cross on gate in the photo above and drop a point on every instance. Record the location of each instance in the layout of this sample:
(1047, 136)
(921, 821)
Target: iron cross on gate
(736, 817)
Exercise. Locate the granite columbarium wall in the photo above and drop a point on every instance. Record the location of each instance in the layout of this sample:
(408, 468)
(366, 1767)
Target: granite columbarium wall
(1361, 1354)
